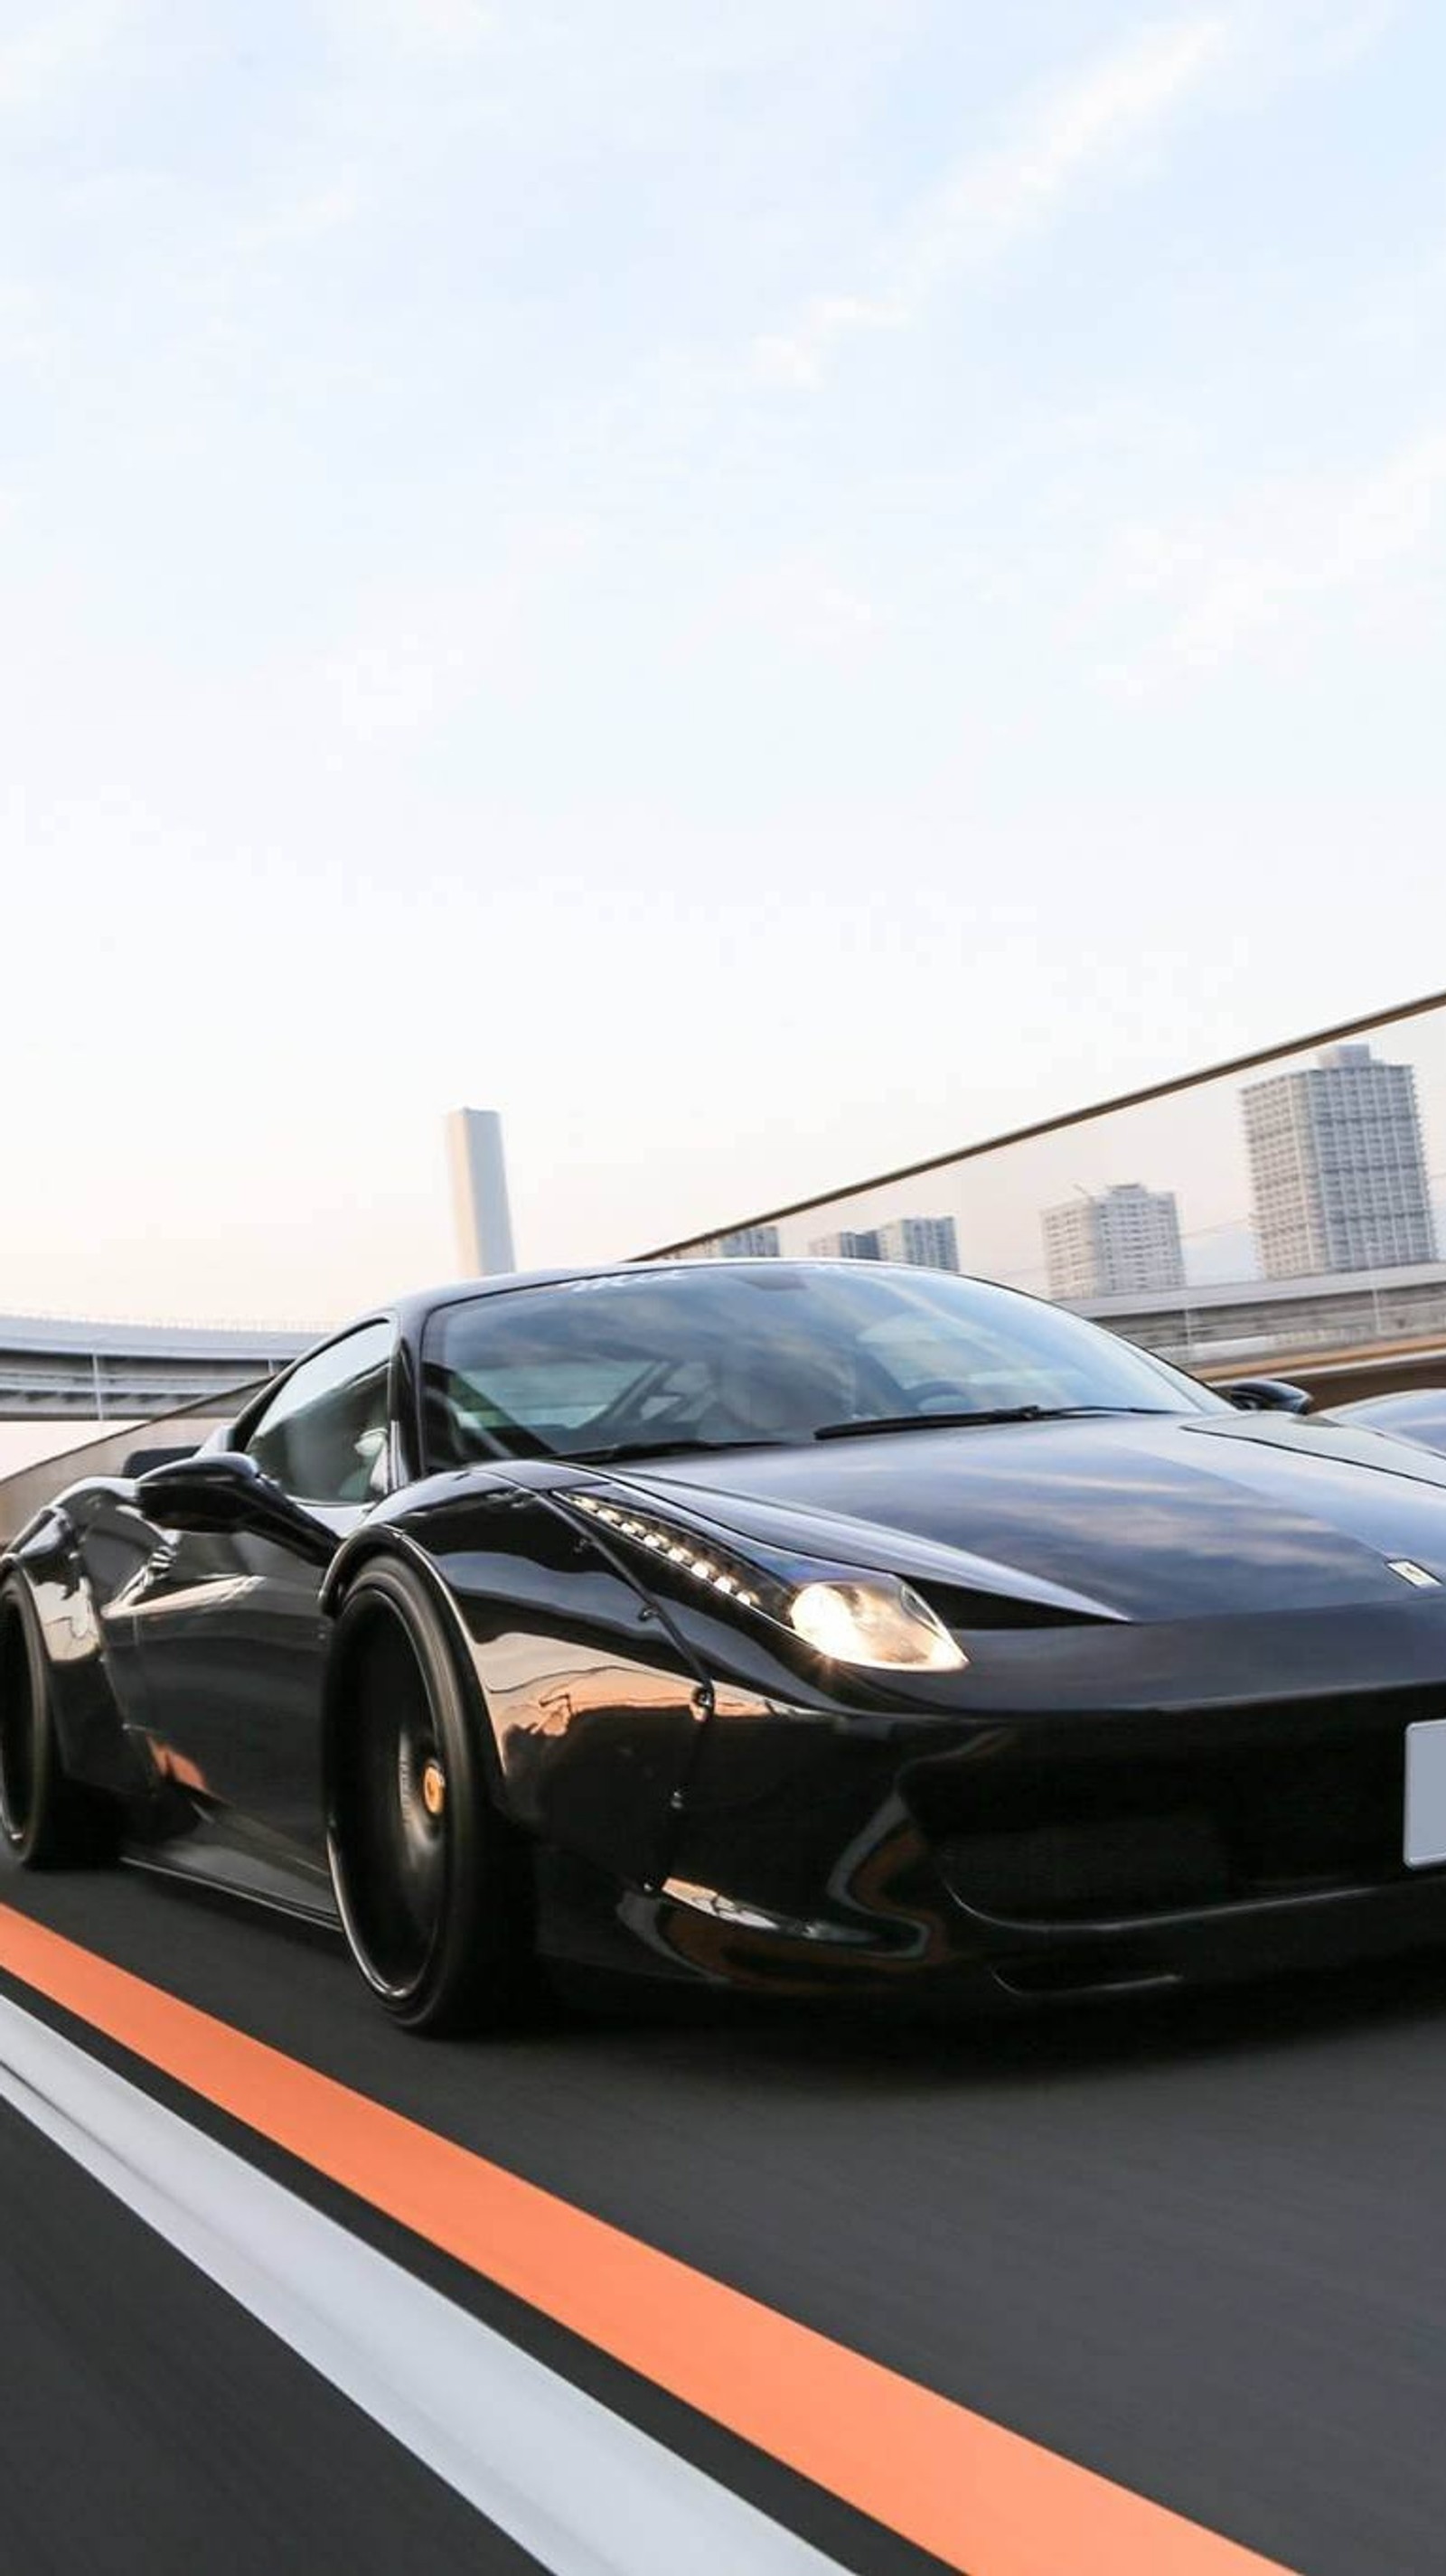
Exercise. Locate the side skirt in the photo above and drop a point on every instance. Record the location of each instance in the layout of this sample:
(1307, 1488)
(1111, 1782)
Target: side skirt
(225, 1862)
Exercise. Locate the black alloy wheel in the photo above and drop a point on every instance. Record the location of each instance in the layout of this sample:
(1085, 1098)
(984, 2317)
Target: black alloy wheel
(433, 1886)
(48, 1820)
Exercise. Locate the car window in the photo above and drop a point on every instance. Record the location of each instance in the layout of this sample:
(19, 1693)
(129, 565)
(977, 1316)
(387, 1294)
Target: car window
(946, 1364)
(723, 1352)
(571, 1393)
(324, 1434)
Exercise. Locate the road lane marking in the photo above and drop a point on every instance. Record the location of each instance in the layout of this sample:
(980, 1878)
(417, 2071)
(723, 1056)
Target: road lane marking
(981, 2498)
(578, 2487)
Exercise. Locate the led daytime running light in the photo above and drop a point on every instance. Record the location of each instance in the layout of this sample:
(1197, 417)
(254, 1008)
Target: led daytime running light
(670, 1545)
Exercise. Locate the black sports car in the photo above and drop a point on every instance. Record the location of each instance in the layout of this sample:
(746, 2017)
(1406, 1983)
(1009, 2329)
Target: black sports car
(1415, 1413)
(801, 1625)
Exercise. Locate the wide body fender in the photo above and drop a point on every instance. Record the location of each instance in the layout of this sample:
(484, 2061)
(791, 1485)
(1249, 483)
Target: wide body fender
(72, 1562)
(594, 1705)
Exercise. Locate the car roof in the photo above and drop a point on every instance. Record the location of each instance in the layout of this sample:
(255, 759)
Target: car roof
(412, 1309)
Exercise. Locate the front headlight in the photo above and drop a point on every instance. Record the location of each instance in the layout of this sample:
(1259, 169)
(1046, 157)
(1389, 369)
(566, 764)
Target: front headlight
(876, 1621)
(873, 1621)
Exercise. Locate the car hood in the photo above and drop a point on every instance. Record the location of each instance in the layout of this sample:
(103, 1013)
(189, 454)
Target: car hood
(1158, 1517)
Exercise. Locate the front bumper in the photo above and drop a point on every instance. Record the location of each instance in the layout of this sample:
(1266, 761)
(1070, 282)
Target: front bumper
(1027, 1852)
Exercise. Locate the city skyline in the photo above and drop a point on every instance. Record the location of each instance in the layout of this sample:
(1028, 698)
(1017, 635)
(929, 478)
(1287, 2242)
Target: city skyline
(1192, 1127)
(1196, 1126)
(745, 1243)
(998, 1196)
(1338, 1177)
(923, 1242)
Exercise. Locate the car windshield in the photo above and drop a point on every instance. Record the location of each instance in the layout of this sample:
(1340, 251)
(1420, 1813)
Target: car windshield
(726, 1354)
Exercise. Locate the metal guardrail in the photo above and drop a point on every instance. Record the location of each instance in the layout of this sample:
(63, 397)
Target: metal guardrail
(1175, 1087)
(1281, 1210)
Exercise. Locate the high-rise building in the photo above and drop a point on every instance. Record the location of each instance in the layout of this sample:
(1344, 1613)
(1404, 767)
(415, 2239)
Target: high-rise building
(1337, 1172)
(745, 1243)
(846, 1247)
(1071, 1249)
(1124, 1243)
(928, 1242)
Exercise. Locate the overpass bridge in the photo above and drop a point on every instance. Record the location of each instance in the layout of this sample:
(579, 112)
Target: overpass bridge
(1343, 1334)
(56, 1368)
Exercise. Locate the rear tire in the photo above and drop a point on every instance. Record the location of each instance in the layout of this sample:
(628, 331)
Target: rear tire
(48, 1820)
(433, 1886)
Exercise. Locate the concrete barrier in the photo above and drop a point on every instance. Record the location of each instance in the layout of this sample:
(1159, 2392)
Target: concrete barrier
(31, 1488)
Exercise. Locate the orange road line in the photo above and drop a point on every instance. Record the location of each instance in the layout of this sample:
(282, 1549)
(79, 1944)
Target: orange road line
(980, 2498)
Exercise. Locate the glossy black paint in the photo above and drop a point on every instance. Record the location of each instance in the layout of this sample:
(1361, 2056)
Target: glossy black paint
(1417, 1414)
(222, 1492)
(1266, 1395)
(1176, 1748)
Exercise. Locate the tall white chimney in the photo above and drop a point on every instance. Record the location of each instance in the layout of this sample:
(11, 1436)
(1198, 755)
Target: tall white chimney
(479, 1192)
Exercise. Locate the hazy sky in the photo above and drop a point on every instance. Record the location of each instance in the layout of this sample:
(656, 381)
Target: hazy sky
(764, 588)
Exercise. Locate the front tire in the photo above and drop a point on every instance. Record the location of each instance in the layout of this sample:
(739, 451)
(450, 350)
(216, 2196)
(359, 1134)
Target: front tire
(48, 1820)
(432, 1885)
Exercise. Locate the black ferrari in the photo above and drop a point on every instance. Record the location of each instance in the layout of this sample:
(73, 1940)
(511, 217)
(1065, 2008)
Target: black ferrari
(803, 1626)
(1416, 1413)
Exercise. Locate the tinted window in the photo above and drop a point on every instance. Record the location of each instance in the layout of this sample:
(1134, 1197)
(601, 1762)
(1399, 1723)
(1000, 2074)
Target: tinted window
(732, 1351)
(324, 1435)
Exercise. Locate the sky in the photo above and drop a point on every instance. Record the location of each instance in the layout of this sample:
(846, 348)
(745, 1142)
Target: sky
(764, 590)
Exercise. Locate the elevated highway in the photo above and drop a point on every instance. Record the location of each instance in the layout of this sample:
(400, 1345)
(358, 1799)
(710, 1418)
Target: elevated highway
(1383, 1328)
(56, 1368)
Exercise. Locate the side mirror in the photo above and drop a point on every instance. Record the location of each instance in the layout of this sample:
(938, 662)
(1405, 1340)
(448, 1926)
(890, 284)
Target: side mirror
(140, 1461)
(223, 1489)
(1265, 1395)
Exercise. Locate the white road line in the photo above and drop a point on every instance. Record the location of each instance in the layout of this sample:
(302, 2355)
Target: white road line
(582, 2489)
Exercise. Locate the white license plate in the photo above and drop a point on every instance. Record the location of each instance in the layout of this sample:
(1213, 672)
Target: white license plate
(1426, 1792)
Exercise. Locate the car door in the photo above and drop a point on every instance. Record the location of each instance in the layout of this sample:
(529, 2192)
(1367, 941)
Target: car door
(229, 1629)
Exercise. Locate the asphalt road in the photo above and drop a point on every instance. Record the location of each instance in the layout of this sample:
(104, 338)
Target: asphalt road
(147, 2423)
(1199, 2247)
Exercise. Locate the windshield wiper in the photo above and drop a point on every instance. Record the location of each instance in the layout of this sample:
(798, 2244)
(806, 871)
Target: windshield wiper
(962, 1421)
(659, 1449)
